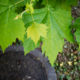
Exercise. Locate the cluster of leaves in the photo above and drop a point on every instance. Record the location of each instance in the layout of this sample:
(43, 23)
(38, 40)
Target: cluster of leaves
(50, 23)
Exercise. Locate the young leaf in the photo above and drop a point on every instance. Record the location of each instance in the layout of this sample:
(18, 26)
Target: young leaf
(76, 24)
(58, 21)
(10, 29)
(36, 31)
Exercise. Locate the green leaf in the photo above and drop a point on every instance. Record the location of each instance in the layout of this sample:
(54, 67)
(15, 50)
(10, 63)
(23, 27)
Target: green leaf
(10, 29)
(38, 15)
(58, 21)
(60, 3)
(76, 25)
(77, 34)
(28, 45)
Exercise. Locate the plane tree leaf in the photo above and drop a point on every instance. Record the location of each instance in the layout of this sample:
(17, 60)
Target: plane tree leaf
(10, 29)
(36, 31)
(58, 22)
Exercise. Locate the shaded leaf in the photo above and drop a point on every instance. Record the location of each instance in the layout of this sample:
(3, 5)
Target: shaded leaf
(28, 44)
(38, 15)
(60, 3)
(76, 25)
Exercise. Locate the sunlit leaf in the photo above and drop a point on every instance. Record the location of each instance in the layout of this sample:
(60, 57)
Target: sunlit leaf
(36, 31)
(10, 29)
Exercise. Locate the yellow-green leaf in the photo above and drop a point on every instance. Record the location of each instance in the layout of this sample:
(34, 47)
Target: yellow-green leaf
(29, 8)
(35, 31)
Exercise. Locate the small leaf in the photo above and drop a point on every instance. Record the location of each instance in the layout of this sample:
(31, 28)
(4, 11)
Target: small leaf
(36, 31)
(28, 44)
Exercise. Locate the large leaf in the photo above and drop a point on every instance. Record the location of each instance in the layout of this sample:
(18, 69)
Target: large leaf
(10, 29)
(58, 21)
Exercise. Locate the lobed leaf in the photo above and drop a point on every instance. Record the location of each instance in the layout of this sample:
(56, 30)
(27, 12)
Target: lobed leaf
(10, 29)
(36, 31)
(58, 22)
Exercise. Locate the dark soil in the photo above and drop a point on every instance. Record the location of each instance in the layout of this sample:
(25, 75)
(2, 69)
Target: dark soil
(15, 66)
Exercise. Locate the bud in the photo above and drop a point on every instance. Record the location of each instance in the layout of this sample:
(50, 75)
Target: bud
(29, 8)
